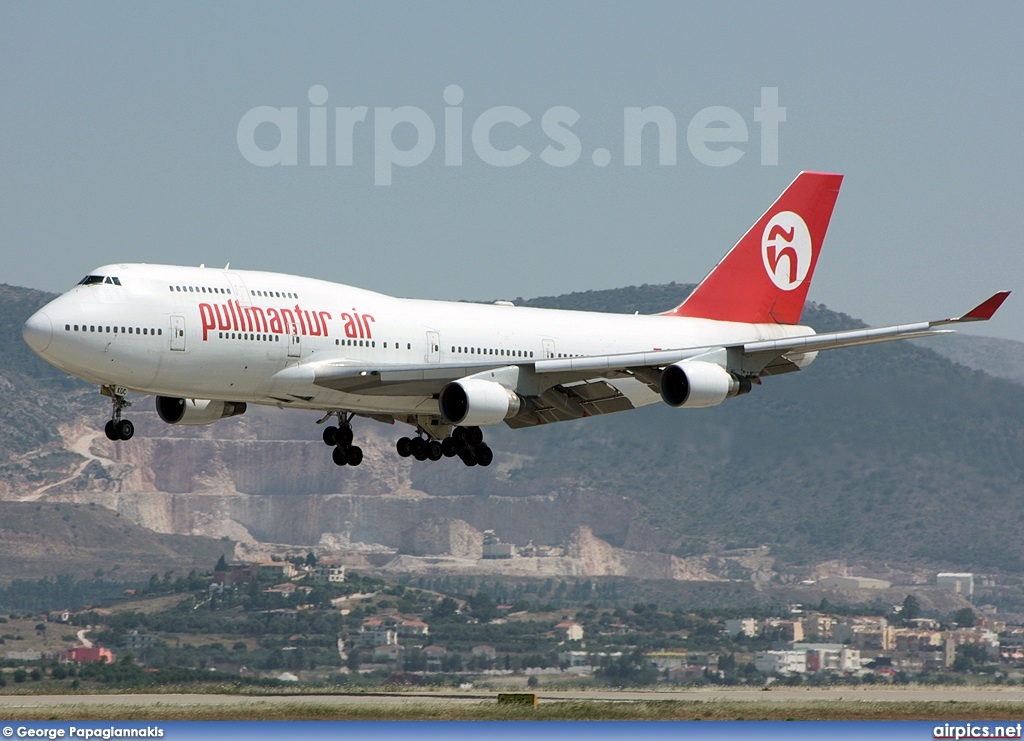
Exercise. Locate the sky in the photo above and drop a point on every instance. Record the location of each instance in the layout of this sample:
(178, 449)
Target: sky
(162, 133)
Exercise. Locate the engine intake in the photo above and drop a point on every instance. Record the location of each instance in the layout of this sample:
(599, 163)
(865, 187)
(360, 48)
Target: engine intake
(473, 402)
(696, 384)
(176, 411)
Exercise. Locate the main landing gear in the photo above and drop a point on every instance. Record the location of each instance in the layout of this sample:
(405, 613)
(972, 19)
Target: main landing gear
(465, 442)
(340, 438)
(117, 428)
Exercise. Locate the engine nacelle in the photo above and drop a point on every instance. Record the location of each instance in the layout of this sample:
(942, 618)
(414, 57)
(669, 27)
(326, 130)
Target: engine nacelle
(696, 383)
(472, 402)
(176, 411)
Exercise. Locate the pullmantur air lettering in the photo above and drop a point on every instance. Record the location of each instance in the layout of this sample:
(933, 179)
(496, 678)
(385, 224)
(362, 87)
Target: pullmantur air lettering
(231, 316)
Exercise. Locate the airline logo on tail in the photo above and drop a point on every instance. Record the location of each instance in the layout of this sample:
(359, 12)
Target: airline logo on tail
(786, 250)
(765, 277)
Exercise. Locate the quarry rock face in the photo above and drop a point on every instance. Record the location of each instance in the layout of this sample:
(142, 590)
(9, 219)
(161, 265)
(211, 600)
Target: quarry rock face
(437, 536)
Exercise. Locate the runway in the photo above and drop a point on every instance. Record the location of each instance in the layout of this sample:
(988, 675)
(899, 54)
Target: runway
(964, 695)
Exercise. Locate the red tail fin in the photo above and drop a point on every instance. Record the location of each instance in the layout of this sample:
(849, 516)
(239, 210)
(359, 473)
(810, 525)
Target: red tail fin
(765, 277)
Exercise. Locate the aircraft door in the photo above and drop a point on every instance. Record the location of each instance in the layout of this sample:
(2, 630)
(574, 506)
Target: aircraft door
(239, 289)
(548, 347)
(295, 343)
(433, 354)
(178, 333)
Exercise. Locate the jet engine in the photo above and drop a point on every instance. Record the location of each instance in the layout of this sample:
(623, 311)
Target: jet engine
(696, 383)
(175, 411)
(472, 402)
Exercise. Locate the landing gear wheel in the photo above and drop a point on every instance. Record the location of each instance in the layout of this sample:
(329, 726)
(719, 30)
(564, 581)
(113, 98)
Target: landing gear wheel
(404, 447)
(468, 456)
(484, 455)
(343, 438)
(474, 435)
(125, 430)
(353, 455)
(419, 448)
(330, 435)
(117, 428)
(448, 447)
(434, 452)
(340, 456)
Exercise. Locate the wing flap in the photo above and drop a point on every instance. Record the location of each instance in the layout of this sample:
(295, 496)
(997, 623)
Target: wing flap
(572, 401)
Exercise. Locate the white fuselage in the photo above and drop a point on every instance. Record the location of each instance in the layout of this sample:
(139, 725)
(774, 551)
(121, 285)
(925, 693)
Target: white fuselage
(229, 335)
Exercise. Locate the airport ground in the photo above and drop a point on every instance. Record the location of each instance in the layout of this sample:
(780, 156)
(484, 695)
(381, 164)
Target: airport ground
(932, 703)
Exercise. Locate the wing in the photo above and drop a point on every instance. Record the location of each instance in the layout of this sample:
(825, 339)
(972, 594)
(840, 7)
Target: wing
(751, 359)
(560, 389)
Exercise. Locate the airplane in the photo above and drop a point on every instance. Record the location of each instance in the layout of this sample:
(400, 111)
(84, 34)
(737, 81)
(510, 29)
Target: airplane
(207, 342)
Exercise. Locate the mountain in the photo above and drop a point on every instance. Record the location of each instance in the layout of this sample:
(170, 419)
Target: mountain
(44, 539)
(889, 454)
(997, 357)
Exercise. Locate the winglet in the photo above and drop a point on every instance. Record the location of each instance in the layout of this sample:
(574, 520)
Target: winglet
(980, 313)
(986, 309)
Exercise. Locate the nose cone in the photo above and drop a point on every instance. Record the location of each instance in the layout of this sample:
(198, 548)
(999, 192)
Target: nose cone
(38, 332)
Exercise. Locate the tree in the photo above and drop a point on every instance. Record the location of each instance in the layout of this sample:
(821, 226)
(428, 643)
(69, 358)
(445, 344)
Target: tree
(222, 564)
(446, 608)
(911, 609)
(965, 617)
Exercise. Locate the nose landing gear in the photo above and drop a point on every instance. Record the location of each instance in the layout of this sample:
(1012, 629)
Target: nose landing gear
(117, 428)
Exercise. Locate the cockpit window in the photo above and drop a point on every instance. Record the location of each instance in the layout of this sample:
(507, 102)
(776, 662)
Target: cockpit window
(91, 280)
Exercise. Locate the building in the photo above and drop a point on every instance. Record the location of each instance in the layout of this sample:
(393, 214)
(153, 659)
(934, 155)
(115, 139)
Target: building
(372, 637)
(866, 633)
(830, 657)
(844, 583)
(818, 626)
(962, 584)
(781, 662)
(389, 654)
(664, 660)
(575, 660)
(913, 640)
(282, 569)
(135, 640)
(485, 652)
(494, 548)
(786, 631)
(748, 627)
(27, 655)
(387, 630)
(237, 573)
(435, 657)
(83, 655)
(287, 589)
(330, 573)
(569, 631)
